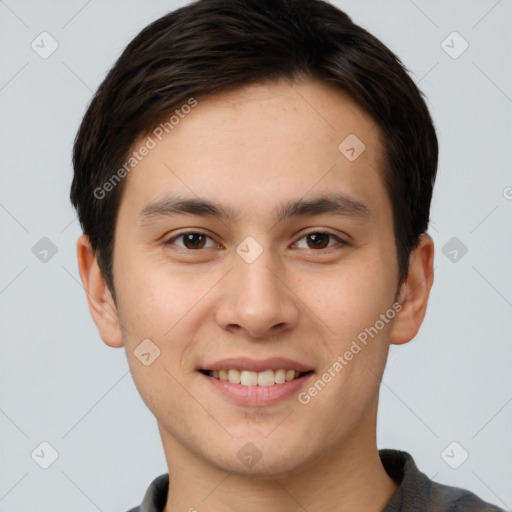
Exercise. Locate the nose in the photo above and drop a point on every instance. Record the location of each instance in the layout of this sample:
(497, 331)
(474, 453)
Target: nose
(257, 299)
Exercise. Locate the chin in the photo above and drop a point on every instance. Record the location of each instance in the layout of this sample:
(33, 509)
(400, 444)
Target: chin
(264, 455)
(269, 466)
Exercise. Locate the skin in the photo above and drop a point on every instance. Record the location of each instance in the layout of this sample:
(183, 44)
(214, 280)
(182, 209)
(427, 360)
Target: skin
(252, 149)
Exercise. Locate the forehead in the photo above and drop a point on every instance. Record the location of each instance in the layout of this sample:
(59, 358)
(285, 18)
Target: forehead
(260, 142)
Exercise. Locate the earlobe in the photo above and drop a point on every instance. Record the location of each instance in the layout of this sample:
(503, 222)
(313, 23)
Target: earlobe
(101, 304)
(414, 292)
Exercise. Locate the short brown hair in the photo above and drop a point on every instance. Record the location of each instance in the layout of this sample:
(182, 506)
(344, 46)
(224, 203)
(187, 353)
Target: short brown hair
(211, 46)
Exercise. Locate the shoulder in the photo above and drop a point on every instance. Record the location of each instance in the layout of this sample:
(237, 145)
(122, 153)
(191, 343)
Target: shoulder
(458, 499)
(417, 492)
(156, 495)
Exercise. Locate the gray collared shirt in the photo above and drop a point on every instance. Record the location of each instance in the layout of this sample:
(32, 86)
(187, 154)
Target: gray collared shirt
(416, 492)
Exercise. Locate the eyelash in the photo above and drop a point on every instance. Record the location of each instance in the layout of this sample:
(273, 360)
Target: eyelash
(181, 235)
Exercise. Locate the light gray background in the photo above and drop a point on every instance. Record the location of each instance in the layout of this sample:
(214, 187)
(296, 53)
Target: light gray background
(62, 385)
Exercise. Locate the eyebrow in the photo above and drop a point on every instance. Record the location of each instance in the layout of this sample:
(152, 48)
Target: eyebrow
(339, 204)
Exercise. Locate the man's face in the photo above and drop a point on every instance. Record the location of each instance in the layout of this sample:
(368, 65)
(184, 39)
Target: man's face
(263, 283)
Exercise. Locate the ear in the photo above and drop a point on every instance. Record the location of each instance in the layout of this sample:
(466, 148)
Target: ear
(414, 292)
(101, 304)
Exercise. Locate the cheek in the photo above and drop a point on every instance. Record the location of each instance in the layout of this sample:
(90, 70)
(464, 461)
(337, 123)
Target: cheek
(156, 297)
(157, 306)
(349, 299)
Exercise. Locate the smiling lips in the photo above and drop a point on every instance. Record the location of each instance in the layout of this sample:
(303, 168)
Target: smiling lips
(250, 372)
(250, 378)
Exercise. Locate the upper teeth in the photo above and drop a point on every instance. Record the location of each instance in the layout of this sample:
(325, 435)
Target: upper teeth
(248, 378)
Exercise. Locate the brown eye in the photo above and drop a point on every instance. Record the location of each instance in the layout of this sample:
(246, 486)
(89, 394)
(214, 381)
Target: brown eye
(190, 241)
(319, 240)
(194, 241)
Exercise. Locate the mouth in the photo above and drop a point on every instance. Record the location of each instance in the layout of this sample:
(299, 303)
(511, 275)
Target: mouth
(265, 378)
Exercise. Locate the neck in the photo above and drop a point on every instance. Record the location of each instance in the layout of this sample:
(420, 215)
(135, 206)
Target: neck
(347, 478)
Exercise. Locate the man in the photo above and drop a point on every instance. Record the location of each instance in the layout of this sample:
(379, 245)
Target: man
(253, 179)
